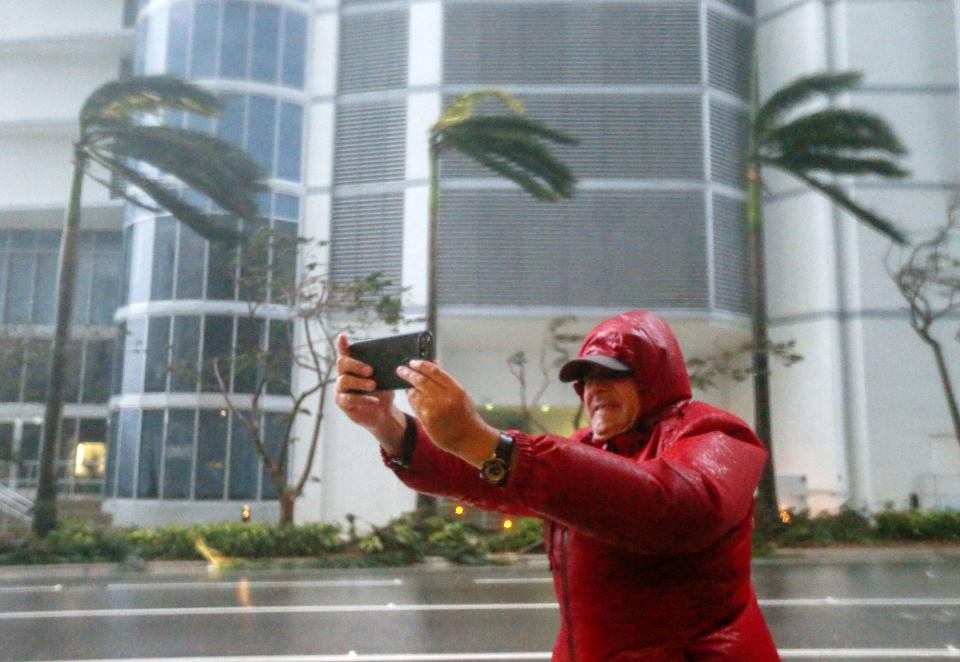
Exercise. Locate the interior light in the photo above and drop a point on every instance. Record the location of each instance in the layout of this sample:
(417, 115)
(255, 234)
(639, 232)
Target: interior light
(245, 513)
(223, 412)
(90, 460)
(508, 523)
(785, 516)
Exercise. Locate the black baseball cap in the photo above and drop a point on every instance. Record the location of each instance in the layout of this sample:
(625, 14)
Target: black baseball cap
(575, 369)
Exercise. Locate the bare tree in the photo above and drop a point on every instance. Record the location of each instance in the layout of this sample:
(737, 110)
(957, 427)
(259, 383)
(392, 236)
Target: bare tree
(318, 310)
(928, 277)
(736, 362)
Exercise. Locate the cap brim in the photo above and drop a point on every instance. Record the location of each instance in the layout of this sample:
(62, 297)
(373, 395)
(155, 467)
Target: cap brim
(575, 369)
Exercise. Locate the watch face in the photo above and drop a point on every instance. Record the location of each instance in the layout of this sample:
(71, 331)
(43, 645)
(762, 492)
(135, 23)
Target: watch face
(494, 470)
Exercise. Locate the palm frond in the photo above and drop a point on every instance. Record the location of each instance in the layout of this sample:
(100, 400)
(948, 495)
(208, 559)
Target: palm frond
(526, 153)
(463, 106)
(885, 227)
(803, 89)
(835, 129)
(512, 125)
(200, 222)
(509, 170)
(125, 97)
(835, 164)
(212, 166)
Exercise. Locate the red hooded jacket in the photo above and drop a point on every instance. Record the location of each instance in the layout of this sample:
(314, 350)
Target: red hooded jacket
(648, 534)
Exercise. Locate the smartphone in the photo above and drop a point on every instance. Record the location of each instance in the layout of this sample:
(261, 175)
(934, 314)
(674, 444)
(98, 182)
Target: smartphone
(387, 354)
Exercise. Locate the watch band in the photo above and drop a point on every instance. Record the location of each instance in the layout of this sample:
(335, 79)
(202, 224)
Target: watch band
(496, 469)
(408, 445)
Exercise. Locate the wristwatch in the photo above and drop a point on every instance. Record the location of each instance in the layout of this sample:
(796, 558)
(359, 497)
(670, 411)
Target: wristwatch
(496, 468)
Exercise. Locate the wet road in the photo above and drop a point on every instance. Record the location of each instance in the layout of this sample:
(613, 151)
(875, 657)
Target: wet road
(847, 611)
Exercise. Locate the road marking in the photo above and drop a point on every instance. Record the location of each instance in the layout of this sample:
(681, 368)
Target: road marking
(860, 602)
(313, 583)
(55, 588)
(267, 609)
(787, 653)
(513, 580)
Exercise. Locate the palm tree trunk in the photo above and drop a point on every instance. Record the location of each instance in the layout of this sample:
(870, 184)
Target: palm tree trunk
(768, 510)
(947, 384)
(45, 511)
(426, 504)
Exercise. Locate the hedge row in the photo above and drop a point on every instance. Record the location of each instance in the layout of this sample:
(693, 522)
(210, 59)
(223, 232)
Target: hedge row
(855, 527)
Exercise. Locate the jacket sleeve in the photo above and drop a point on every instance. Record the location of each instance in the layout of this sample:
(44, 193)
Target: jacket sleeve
(434, 471)
(698, 488)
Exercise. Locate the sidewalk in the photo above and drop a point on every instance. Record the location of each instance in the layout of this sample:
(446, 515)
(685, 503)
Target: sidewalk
(919, 553)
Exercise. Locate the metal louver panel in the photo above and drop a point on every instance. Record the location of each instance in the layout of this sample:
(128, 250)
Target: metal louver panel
(728, 143)
(370, 143)
(599, 249)
(595, 43)
(730, 47)
(730, 255)
(367, 236)
(373, 51)
(621, 136)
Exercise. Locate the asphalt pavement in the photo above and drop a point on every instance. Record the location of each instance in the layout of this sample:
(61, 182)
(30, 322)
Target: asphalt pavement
(818, 607)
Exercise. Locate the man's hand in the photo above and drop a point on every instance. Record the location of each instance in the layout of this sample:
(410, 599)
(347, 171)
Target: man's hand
(447, 413)
(374, 410)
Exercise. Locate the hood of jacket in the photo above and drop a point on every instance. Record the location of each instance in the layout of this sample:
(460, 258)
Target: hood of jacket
(646, 344)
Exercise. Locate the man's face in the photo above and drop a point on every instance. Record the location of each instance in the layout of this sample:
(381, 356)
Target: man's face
(613, 402)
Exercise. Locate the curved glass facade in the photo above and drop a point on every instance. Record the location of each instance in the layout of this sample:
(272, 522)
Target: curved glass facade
(185, 301)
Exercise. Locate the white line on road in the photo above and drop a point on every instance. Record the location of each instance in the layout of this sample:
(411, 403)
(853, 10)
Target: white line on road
(513, 580)
(266, 609)
(390, 606)
(316, 583)
(55, 588)
(786, 653)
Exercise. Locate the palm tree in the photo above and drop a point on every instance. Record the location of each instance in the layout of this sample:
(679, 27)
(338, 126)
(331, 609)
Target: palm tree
(511, 145)
(813, 147)
(114, 136)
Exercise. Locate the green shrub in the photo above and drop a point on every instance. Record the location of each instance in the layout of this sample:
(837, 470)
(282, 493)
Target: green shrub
(845, 526)
(526, 533)
(941, 526)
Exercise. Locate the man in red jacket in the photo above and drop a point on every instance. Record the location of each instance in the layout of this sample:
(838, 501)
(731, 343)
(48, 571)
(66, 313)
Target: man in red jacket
(647, 512)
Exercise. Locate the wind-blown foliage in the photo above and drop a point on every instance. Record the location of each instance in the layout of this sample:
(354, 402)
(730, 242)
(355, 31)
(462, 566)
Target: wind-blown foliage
(120, 132)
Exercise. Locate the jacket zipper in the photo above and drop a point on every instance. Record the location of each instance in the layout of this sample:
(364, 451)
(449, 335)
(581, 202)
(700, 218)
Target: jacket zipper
(566, 593)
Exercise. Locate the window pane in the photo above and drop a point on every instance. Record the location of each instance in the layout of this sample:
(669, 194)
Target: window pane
(221, 268)
(178, 463)
(11, 366)
(178, 38)
(203, 57)
(164, 250)
(108, 484)
(134, 355)
(254, 264)
(30, 442)
(4, 265)
(285, 261)
(280, 356)
(67, 442)
(217, 339)
(38, 370)
(6, 444)
(260, 137)
(244, 463)
(184, 361)
(294, 49)
(211, 454)
(106, 286)
(291, 130)
(82, 287)
(19, 288)
(233, 51)
(141, 261)
(71, 374)
(266, 28)
(158, 342)
(151, 448)
(274, 426)
(190, 265)
(287, 206)
(127, 454)
(96, 376)
(230, 126)
(117, 363)
(248, 354)
(45, 290)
